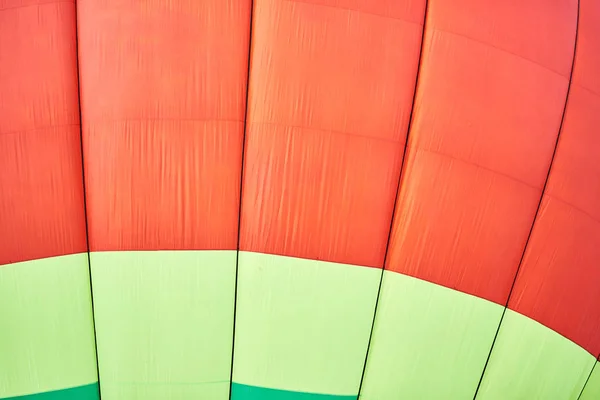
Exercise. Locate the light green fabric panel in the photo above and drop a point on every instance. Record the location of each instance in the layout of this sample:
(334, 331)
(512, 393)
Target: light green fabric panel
(429, 342)
(531, 361)
(164, 321)
(302, 325)
(46, 326)
(592, 387)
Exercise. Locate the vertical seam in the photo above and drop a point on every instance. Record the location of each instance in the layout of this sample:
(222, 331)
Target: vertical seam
(587, 380)
(536, 215)
(398, 188)
(237, 254)
(85, 212)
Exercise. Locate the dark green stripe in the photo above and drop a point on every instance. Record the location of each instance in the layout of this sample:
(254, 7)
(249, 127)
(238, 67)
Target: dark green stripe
(86, 392)
(246, 392)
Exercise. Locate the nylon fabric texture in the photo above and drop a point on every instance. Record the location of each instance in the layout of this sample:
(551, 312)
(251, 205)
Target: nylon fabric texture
(299, 199)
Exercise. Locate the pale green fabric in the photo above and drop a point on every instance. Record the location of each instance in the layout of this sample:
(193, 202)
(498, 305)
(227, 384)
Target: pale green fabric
(592, 388)
(429, 342)
(302, 325)
(164, 321)
(531, 361)
(46, 327)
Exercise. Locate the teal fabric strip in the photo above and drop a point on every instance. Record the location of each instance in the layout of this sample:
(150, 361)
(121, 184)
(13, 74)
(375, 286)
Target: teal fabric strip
(86, 392)
(247, 392)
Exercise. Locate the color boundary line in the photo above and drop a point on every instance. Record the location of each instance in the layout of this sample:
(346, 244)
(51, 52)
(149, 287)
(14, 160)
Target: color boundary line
(560, 128)
(84, 392)
(250, 392)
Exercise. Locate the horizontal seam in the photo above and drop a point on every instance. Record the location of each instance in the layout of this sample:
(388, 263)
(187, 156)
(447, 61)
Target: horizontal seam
(557, 198)
(37, 4)
(355, 10)
(127, 120)
(37, 129)
(416, 148)
(150, 383)
(587, 89)
(500, 49)
(117, 121)
(324, 131)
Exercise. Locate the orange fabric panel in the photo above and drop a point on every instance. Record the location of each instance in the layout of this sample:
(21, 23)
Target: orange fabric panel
(558, 284)
(410, 11)
(163, 101)
(488, 109)
(41, 195)
(14, 4)
(458, 226)
(331, 88)
(540, 31)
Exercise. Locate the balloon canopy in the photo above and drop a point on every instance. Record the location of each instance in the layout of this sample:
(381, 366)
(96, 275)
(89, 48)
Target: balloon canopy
(299, 199)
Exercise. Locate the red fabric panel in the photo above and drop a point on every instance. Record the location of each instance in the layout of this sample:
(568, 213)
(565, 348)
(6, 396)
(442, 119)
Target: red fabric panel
(492, 90)
(585, 73)
(331, 89)
(559, 281)
(163, 101)
(41, 196)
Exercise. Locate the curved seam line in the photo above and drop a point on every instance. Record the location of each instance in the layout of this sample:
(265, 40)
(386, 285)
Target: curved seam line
(487, 44)
(85, 210)
(237, 252)
(587, 89)
(516, 276)
(348, 9)
(398, 188)
(351, 134)
(512, 178)
(573, 206)
(134, 120)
